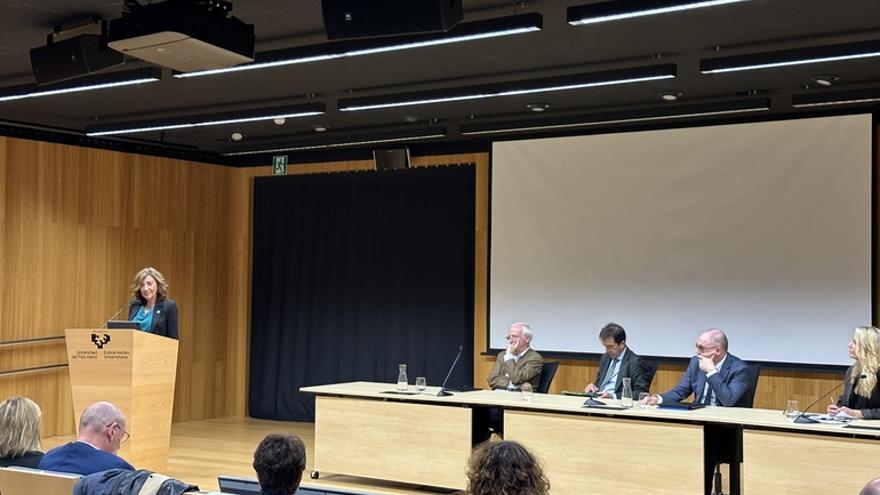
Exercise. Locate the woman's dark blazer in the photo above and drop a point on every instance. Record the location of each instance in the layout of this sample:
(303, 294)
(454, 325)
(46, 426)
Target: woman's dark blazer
(870, 406)
(164, 317)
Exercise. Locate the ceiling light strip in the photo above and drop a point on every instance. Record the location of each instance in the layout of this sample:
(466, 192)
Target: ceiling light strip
(337, 145)
(588, 14)
(625, 76)
(165, 127)
(492, 28)
(788, 58)
(615, 121)
(836, 102)
(90, 84)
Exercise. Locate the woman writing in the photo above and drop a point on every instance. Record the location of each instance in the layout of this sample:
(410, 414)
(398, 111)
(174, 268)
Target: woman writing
(20, 420)
(861, 397)
(150, 306)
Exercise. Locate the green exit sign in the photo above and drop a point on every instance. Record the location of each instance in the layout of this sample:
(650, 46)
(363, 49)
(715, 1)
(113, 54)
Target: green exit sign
(279, 165)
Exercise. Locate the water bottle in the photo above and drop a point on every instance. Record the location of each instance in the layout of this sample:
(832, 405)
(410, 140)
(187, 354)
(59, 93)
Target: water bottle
(402, 382)
(626, 397)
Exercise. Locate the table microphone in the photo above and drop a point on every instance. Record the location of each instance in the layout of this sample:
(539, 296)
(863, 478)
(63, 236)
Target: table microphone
(443, 392)
(803, 419)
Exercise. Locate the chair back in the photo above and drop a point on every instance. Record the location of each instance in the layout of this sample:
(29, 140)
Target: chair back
(650, 368)
(548, 371)
(749, 398)
(15, 480)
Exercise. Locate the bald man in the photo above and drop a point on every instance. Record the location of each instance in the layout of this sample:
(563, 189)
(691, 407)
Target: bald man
(713, 377)
(872, 488)
(101, 432)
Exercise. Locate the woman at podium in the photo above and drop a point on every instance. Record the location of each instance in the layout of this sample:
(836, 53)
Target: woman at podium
(861, 394)
(150, 306)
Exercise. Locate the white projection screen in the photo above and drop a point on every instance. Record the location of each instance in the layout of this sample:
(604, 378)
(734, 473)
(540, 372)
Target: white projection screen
(761, 229)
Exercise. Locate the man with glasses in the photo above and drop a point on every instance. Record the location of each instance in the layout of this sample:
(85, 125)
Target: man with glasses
(101, 432)
(714, 377)
(519, 363)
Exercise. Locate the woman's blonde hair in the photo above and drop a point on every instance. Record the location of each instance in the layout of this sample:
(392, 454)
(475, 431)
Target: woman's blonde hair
(161, 285)
(20, 420)
(867, 342)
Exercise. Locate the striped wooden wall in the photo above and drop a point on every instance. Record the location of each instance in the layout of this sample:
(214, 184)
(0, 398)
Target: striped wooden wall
(75, 226)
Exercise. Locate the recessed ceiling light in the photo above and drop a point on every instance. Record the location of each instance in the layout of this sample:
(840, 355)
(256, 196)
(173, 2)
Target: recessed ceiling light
(279, 120)
(320, 127)
(411, 118)
(236, 136)
(671, 95)
(538, 107)
(825, 80)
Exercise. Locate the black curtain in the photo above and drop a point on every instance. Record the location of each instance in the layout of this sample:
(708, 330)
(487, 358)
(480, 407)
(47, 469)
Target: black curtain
(354, 273)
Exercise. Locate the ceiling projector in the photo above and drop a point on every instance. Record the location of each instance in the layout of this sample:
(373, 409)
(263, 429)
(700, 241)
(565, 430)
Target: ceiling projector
(183, 35)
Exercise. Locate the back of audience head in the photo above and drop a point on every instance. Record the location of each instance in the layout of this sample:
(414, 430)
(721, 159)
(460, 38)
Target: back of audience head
(872, 488)
(20, 420)
(103, 425)
(505, 468)
(279, 462)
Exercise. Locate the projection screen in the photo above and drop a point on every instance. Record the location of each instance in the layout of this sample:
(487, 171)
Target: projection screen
(761, 229)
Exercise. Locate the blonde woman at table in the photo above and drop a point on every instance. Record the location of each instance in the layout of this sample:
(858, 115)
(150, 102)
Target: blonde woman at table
(861, 396)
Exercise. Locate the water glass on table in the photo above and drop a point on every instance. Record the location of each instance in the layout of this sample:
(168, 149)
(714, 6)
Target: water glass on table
(421, 383)
(643, 400)
(791, 408)
(526, 389)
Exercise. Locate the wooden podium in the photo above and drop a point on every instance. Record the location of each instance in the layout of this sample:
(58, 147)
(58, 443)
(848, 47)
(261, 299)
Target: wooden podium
(135, 371)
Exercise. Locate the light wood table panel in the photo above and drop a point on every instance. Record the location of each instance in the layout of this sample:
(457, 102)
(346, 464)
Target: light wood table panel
(391, 440)
(802, 464)
(596, 455)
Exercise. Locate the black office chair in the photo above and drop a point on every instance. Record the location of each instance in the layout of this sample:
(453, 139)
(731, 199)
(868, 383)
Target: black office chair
(734, 456)
(650, 368)
(548, 371)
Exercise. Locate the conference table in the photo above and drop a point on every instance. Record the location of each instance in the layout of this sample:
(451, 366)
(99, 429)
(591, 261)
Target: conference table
(370, 430)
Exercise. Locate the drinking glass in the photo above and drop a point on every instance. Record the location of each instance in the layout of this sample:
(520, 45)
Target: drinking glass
(791, 408)
(643, 400)
(526, 389)
(421, 383)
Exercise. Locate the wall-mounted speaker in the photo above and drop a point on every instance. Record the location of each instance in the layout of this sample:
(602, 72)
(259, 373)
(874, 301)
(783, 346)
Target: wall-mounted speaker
(391, 159)
(345, 19)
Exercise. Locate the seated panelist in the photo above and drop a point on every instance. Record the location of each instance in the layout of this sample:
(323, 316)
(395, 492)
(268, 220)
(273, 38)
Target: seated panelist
(519, 363)
(861, 396)
(618, 362)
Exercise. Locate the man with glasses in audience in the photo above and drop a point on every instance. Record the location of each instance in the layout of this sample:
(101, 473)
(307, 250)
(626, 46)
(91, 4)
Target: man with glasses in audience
(101, 432)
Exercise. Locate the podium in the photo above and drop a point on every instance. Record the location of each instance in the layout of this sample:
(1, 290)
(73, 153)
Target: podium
(135, 371)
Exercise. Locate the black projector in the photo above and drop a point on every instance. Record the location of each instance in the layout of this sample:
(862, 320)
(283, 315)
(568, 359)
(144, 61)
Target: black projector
(184, 35)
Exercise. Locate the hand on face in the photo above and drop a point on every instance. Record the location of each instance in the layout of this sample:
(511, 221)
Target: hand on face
(706, 363)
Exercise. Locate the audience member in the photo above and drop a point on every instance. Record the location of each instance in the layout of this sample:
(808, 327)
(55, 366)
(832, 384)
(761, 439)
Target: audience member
(872, 488)
(279, 462)
(20, 420)
(101, 432)
(505, 468)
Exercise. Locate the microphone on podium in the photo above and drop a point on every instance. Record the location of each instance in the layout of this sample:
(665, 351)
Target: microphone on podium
(443, 392)
(803, 419)
(114, 316)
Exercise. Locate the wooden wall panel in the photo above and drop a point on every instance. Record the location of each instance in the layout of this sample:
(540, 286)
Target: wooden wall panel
(78, 223)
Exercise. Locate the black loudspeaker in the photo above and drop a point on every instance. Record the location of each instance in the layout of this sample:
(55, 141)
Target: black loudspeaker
(345, 19)
(391, 159)
(72, 57)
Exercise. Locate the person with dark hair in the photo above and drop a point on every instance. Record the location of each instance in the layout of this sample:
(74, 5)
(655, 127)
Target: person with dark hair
(279, 462)
(617, 363)
(505, 468)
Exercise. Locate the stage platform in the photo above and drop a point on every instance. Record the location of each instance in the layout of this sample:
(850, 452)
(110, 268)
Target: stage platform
(202, 450)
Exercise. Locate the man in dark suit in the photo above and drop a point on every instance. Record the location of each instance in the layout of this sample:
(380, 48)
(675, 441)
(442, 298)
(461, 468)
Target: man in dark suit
(617, 363)
(101, 432)
(279, 462)
(716, 378)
